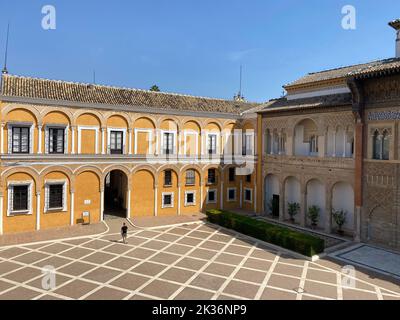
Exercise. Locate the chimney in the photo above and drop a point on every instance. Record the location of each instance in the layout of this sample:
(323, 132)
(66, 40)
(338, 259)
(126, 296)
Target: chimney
(395, 24)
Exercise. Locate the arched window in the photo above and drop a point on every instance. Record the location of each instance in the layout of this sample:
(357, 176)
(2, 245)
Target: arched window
(282, 144)
(313, 144)
(381, 145)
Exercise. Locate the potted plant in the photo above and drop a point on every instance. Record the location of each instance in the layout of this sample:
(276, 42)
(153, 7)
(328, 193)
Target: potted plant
(313, 215)
(340, 219)
(293, 209)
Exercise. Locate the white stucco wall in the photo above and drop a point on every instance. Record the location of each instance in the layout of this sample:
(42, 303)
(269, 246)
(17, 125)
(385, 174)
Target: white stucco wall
(292, 194)
(343, 199)
(316, 197)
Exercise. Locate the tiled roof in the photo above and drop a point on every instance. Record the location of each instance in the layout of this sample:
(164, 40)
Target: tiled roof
(354, 70)
(283, 104)
(33, 88)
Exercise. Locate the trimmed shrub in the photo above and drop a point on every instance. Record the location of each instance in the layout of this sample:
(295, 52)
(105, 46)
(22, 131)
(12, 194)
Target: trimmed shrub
(284, 237)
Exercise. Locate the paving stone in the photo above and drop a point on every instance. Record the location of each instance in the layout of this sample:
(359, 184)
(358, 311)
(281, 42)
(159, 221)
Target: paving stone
(191, 263)
(208, 282)
(242, 289)
(19, 294)
(177, 275)
(160, 289)
(272, 294)
(129, 281)
(102, 275)
(123, 263)
(219, 269)
(76, 268)
(149, 269)
(194, 294)
(76, 289)
(106, 293)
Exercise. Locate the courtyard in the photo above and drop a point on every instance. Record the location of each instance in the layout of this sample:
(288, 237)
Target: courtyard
(196, 261)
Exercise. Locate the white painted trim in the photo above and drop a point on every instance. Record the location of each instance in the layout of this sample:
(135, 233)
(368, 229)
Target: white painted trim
(123, 130)
(38, 211)
(318, 93)
(217, 147)
(172, 200)
(150, 133)
(48, 183)
(72, 196)
(40, 128)
(251, 195)
(227, 194)
(216, 196)
(190, 133)
(128, 206)
(29, 125)
(10, 185)
(1, 214)
(73, 140)
(102, 205)
(155, 201)
(187, 204)
(47, 128)
(96, 129)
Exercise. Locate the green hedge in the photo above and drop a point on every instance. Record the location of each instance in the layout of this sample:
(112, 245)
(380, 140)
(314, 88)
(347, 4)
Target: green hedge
(284, 237)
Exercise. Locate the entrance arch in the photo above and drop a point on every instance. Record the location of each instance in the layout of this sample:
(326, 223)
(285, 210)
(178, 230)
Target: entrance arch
(115, 195)
(272, 195)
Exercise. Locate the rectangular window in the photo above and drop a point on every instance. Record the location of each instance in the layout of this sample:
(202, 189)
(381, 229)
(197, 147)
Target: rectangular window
(248, 178)
(167, 178)
(56, 196)
(56, 140)
(190, 198)
(248, 195)
(212, 179)
(20, 195)
(20, 139)
(190, 178)
(116, 142)
(212, 144)
(168, 200)
(232, 174)
(168, 143)
(212, 196)
(231, 194)
(247, 144)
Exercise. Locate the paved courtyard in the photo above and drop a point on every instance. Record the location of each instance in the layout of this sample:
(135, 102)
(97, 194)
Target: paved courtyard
(192, 261)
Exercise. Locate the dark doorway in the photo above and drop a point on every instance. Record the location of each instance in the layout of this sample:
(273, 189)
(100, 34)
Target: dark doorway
(275, 205)
(115, 195)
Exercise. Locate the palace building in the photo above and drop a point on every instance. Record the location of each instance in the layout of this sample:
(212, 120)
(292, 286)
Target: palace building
(75, 152)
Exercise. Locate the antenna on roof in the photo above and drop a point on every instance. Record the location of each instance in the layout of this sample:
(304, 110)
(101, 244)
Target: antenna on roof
(5, 71)
(94, 76)
(239, 96)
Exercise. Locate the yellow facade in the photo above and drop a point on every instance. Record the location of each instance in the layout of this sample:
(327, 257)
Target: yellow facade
(87, 161)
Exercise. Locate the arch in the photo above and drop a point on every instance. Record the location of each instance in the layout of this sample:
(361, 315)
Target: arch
(316, 196)
(272, 194)
(177, 121)
(117, 184)
(113, 167)
(122, 116)
(194, 121)
(63, 169)
(140, 122)
(343, 199)
(192, 167)
(29, 171)
(213, 122)
(67, 114)
(93, 113)
(170, 123)
(143, 202)
(306, 138)
(292, 193)
(32, 110)
(93, 169)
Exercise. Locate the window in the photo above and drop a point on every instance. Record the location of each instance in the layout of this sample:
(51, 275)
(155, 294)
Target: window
(20, 139)
(167, 178)
(247, 144)
(248, 195)
(282, 144)
(190, 198)
(56, 140)
(232, 174)
(381, 145)
(231, 194)
(168, 143)
(167, 200)
(19, 198)
(212, 196)
(212, 144)
(190, 178)
(212, 179)
(116, 142)
(56, 196)
(313, 144)
(248, 178)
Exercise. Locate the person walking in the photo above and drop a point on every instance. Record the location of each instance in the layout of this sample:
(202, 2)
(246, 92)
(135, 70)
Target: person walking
(124, 233)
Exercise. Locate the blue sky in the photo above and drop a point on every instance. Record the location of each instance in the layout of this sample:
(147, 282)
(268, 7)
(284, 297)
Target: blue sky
(194, 47)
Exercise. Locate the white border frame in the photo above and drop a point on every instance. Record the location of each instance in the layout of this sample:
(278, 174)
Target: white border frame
(10, 126)
(124, 139)
(48, 183)
(218, 135)
(253, 142)
(190, 133)
(96, 129)
(150, 133)
(187, 204)
(163, 206)
(13, 213)
(216, 196)
(175, 133)
(227, 194)
(251, 195)
(46, 136)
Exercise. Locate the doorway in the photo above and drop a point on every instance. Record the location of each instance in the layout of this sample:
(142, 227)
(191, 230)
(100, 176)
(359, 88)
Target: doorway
(115, 195)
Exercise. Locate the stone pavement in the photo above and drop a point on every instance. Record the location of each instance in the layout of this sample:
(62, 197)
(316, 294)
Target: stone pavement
(192, 261)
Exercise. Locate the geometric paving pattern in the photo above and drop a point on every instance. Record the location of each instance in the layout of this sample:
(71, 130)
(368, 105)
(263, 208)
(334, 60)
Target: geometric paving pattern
(197, 261)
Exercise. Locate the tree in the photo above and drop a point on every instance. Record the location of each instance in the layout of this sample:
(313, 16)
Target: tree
(155, 88)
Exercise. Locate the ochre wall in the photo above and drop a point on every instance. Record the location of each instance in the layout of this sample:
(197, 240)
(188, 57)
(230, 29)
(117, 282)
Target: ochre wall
(87, 188)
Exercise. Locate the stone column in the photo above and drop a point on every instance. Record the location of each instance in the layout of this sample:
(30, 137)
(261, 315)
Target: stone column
(272, 142)
(179, 199)
(72, 213)
(39, 139)
(328, 210)
(102, 205)
(130, 141)
(73, 139)
(155, 201)
(103, 141)
(201, 194)
(357, 224)
(128, 204)
(1, 213)
(2, 137)
(334, 143)
(290, 145)
(282, 202)
(37, 210)
(303, 207)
